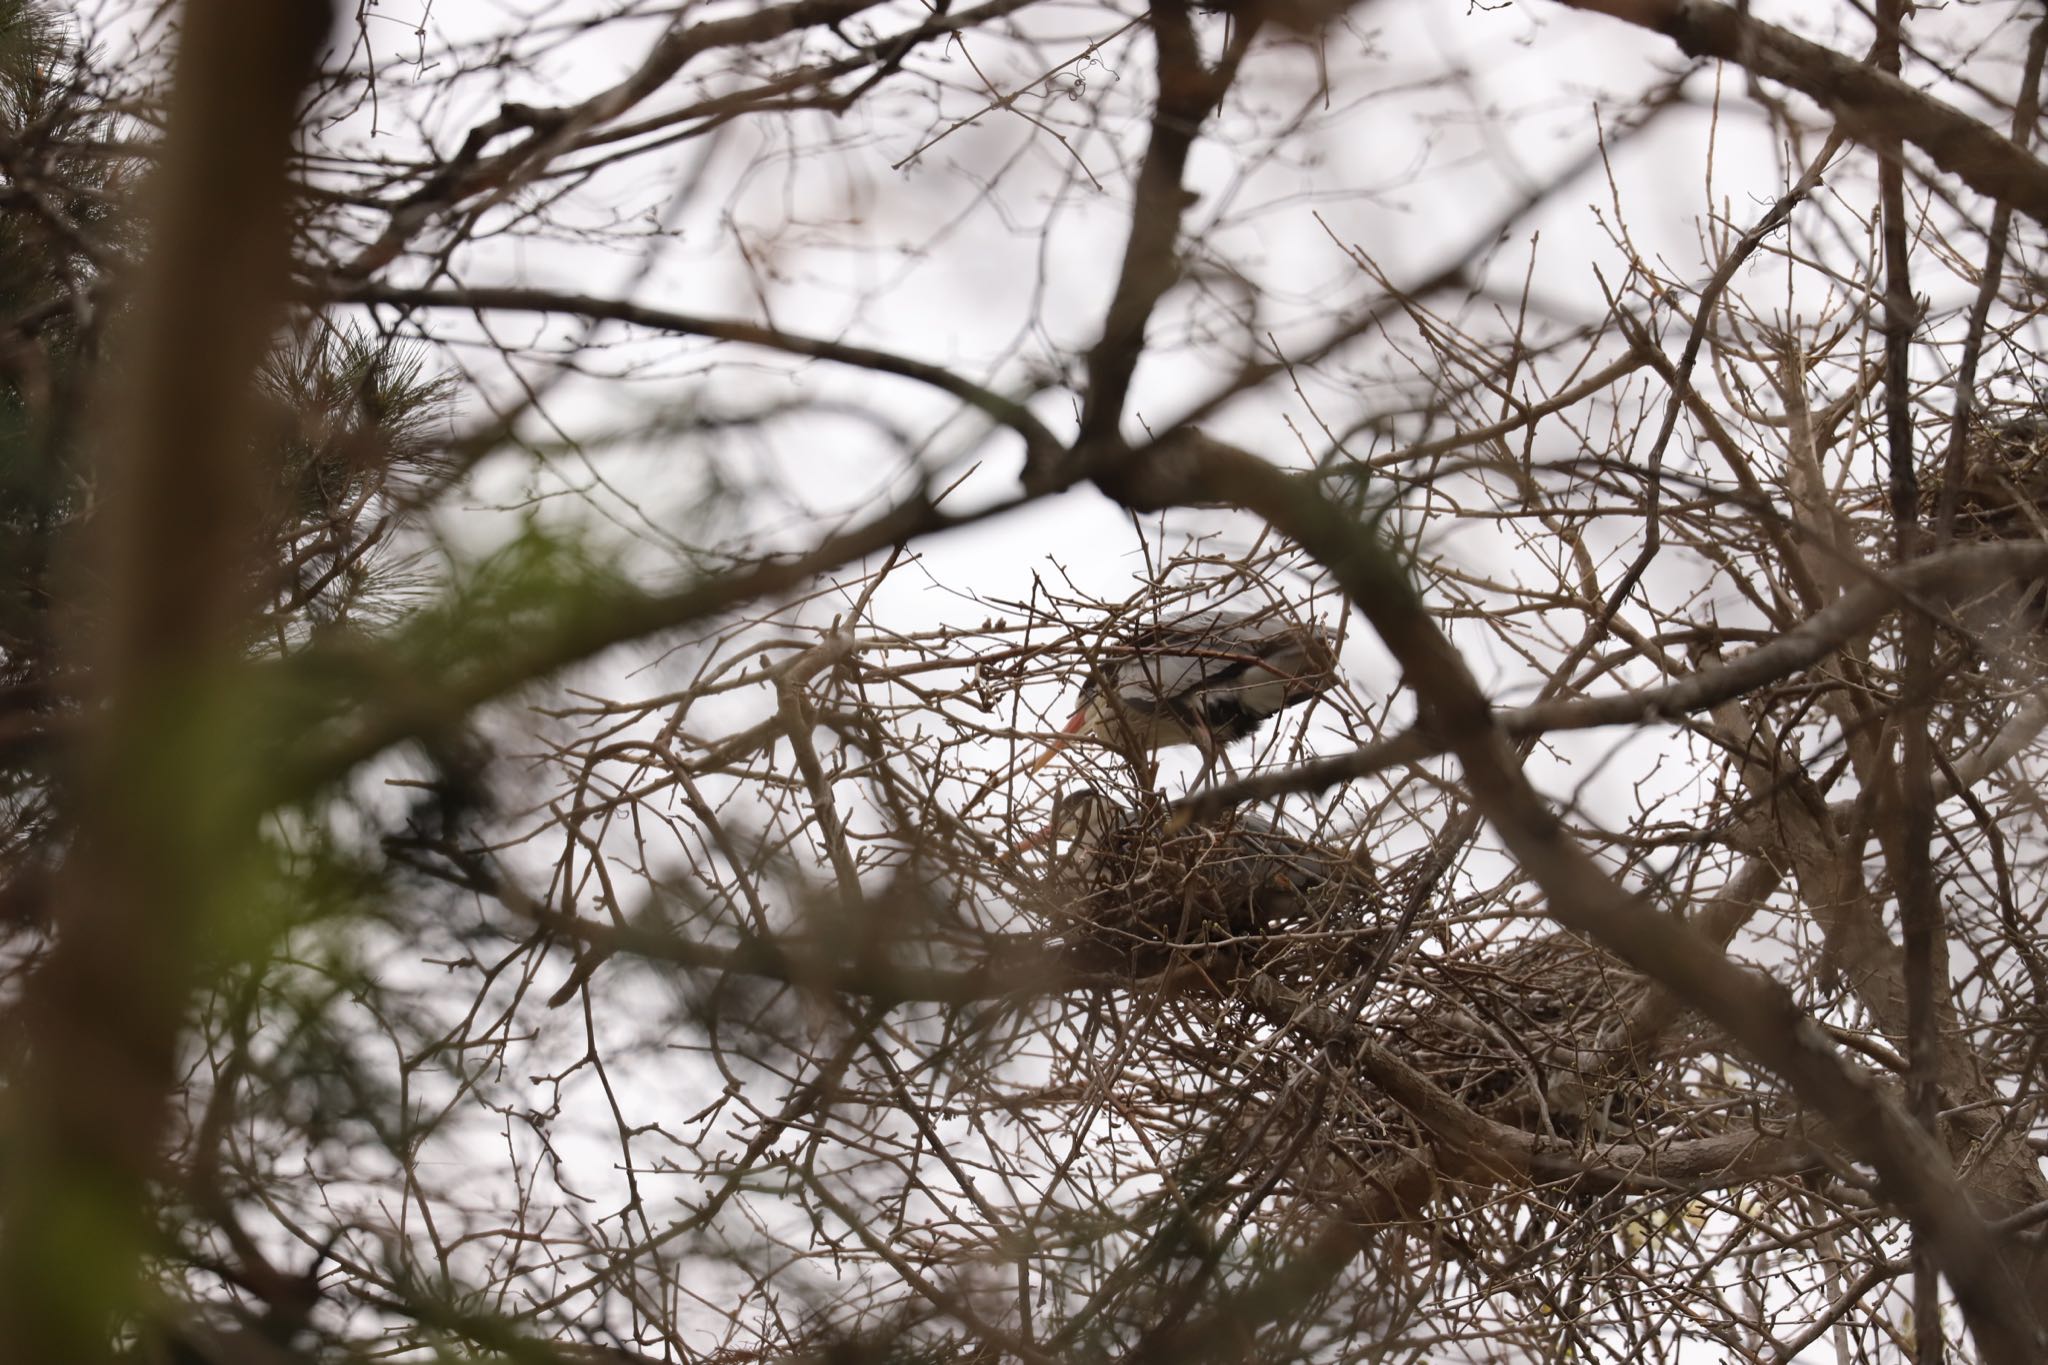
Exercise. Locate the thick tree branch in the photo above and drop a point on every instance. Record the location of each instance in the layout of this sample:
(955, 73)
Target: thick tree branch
(1187, 96)
(400, 704)
(999, 409)
(1873, 106)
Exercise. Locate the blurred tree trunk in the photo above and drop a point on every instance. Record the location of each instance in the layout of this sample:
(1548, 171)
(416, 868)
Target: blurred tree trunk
(160, 797)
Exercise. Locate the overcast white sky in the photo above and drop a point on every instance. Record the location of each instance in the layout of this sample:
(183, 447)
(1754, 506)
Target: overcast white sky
(994, 248)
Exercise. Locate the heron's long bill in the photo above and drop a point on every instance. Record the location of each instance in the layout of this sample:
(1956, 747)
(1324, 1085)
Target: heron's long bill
(1038, 840)
(1052, 750)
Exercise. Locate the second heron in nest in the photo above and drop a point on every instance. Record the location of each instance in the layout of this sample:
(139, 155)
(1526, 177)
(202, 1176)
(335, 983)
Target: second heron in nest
(1132, 877)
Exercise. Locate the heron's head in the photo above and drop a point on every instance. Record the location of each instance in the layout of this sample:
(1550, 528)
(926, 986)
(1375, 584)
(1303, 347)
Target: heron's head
(1082, 815)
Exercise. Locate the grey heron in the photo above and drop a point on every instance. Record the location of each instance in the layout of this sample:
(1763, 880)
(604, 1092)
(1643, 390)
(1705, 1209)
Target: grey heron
(1207, 678)
(1239, 873)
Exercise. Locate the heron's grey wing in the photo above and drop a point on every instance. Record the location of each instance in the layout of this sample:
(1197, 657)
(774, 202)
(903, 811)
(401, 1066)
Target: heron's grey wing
(1212, 630)
(1147, 680)
(1179, 657)
(1288, 646)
